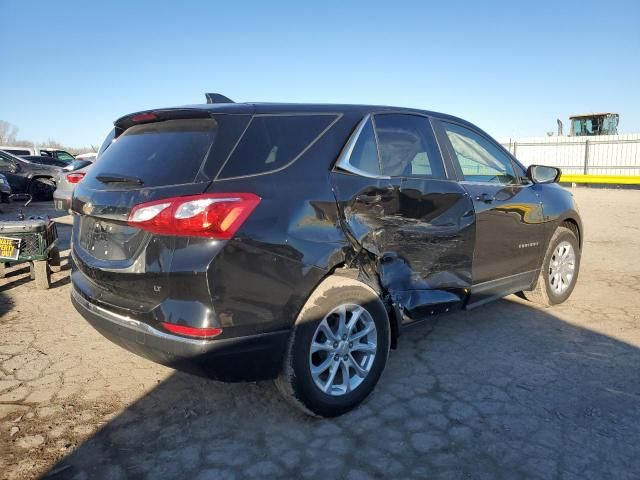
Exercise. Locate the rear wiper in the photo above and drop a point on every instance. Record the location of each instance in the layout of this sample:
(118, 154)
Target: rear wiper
(109, 178)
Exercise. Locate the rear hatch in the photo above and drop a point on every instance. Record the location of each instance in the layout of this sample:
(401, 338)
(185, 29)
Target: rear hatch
(158, 155)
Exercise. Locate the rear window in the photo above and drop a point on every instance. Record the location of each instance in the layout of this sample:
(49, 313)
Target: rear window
(161, 153)
(272, 142)
(17, 151)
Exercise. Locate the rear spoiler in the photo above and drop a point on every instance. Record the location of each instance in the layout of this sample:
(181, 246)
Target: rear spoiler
(217, 98)
(149, 116)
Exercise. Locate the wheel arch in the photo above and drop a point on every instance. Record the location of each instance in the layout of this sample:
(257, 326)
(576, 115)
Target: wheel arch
(573, 224)
(363, 269)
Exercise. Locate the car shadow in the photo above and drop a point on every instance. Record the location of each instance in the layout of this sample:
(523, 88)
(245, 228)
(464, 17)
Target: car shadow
(506, 390)
(19, 274)
(6, 304)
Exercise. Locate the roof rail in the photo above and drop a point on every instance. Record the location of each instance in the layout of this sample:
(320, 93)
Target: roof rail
(217, 98)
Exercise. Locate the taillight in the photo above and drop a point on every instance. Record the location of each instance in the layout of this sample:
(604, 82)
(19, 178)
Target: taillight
(75, 177)
(144, 117)
(216, 215)
(208, 332)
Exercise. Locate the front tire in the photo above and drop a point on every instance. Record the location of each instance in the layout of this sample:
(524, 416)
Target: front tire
(559, 272)
(337, 350)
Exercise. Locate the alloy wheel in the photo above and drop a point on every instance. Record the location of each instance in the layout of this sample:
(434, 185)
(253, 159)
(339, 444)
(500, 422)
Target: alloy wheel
(343, 349)
(562, 268)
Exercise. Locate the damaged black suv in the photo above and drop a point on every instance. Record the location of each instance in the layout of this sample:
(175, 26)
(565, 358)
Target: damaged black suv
(295, 242)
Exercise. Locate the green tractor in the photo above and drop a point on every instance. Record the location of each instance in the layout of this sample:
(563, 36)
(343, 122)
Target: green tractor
(591, 124)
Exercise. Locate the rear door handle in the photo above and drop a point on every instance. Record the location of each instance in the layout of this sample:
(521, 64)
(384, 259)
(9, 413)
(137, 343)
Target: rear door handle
(484, 197)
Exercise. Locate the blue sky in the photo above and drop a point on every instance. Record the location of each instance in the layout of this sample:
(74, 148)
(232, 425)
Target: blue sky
(70, 68)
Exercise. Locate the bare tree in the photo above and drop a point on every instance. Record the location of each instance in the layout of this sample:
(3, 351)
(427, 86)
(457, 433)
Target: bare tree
(8, 133)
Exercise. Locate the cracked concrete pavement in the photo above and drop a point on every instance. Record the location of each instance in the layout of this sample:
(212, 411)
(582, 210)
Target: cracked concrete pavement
(509, 390)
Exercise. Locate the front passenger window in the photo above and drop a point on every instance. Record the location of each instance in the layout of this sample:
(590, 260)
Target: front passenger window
(480, 160)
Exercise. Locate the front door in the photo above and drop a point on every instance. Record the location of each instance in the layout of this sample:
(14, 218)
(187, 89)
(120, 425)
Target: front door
(398, 204)
(509, 220)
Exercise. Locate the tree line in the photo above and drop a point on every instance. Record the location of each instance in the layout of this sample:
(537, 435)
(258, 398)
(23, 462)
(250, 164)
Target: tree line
(9, 137)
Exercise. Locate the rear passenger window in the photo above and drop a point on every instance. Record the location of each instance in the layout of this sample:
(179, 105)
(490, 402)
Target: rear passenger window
(407, 146)
(272, 142)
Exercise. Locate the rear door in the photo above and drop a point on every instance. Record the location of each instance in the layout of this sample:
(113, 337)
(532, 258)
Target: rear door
(128, 266)
(399, 204)
(509, 220)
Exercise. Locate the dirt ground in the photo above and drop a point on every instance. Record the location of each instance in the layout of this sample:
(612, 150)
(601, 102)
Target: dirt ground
(506, 391)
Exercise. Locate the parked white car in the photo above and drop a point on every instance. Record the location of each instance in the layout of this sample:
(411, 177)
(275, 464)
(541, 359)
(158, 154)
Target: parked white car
(39, 151)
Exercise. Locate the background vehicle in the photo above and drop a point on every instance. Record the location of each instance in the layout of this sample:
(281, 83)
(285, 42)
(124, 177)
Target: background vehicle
(90, 157)
(74, 173)
(590, 124)
(39, 151)
(5, 189)
(66, 182)
(27, 177)
(44, 160)
(297, 241)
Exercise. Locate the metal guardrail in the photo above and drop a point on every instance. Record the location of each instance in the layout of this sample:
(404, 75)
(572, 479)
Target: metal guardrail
(601, 179)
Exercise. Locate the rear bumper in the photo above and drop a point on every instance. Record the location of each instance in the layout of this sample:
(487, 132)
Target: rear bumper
(246, 358)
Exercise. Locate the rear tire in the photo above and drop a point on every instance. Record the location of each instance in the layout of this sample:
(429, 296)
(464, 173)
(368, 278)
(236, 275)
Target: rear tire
(355, 355)
(548, 291)
(40, 189)
(42, 274)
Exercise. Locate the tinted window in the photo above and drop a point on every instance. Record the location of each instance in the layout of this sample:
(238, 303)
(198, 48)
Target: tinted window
(407, 147)
(161, 153)
(107, 141)
(274, 141)
(65, 156)
(364, 155)
(19, 152)
(45, 160)
(480, 159)
(5, 161)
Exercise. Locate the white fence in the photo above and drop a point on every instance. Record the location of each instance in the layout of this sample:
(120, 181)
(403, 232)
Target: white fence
(601, 155)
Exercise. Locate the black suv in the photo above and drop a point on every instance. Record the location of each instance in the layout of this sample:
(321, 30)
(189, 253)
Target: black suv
(295, 242)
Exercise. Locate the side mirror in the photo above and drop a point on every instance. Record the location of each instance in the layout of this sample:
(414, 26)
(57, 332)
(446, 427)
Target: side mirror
(14, 168)
(543, 174)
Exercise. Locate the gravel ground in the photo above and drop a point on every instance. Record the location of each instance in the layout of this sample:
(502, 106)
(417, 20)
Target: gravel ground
(505, 391)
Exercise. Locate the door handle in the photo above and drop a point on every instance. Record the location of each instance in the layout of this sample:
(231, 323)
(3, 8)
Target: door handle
(484, 197)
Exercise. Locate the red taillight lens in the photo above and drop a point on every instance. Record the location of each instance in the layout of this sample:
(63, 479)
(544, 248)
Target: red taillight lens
(216, 215)
(192, 331)
(75, 177)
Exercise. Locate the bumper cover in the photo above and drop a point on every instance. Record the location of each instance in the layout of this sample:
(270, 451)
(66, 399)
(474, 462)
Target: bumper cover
(246, 358)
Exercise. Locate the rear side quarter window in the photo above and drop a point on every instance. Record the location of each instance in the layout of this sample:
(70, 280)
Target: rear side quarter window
(273, 142)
